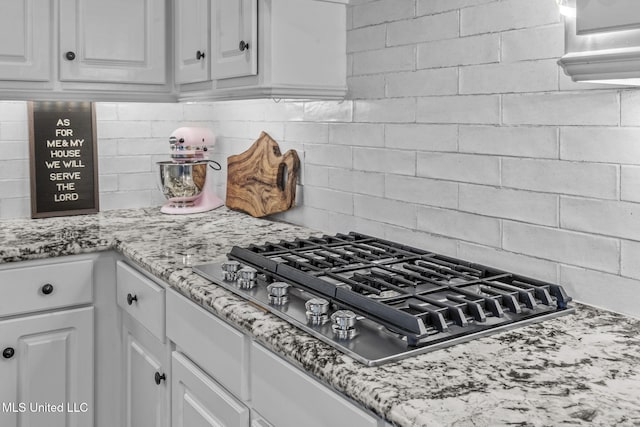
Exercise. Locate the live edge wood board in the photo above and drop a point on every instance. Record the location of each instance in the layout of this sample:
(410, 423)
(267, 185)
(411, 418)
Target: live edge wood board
(261, 181)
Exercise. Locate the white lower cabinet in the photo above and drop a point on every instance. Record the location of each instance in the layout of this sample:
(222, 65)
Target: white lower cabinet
(198, 401)
(46, 370)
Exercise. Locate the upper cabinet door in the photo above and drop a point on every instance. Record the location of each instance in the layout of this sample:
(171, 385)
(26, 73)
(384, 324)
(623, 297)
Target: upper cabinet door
(234, 40)
(595, 16)
(120, 41)
(192, 41)
(25, 40)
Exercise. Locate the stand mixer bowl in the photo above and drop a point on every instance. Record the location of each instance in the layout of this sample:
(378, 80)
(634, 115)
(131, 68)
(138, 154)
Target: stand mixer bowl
(182, 183)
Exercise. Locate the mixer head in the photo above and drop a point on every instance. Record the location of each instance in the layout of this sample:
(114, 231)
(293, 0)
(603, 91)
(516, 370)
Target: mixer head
(191, 144)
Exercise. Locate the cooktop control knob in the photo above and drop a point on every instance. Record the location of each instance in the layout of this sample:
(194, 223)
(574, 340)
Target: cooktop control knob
(247, 277)
(278, 293)
(317, 309)
(230, 270)
(344, 322)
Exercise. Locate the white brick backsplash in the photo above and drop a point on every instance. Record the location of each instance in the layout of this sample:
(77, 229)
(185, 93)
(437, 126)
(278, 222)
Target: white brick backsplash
(108, 182)
(11, 111)
(136, 111)
(422, 137)
(630, 108)
(328, 111)
(439, 81)
(107, 110)
(10, 188)
(341, 223)
(199, 111)
(306, 132)
(379, 11)
(141, 146)
(568, 247)
(123, 129)
(385, 110)
(367, 38)
(317, 176)
(630, 254)
(553, 176)
(524, 206)
(370, 135)
(438, 244)
(385, 210)
(384, 160)
(459, 225)
(520, 264)
(366, 87)
(402, 58)
(474, 109)
(424, 191)
(14, 131)
(601, 290)
(436, 6)
(274, 129)
(462, 51)
(597, 144)
(322, 198)
(619, 219)
(14, 169)
(137, 181)
(524, 76)
(427, 28)
(630, 183)
(15, 150)
(370, 183)
(125, 164)
(576, 108)
(125, 200)
(533, 43)
(15, 207)
(508, 15)
(328, 155)
(518, 141)
(285, 110)
(459, 167)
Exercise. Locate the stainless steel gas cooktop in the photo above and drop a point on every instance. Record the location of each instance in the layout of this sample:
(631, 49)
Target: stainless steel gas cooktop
(380, 301)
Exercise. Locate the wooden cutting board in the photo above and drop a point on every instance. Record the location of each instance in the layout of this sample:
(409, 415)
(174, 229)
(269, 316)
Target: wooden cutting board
(261, 181)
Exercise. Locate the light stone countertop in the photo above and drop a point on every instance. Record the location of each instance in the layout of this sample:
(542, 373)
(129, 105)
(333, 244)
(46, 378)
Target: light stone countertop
(582, 369)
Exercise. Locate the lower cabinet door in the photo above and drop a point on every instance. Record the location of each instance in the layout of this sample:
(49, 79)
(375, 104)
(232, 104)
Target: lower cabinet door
(46, 369)
(198, 401)
(147, 390)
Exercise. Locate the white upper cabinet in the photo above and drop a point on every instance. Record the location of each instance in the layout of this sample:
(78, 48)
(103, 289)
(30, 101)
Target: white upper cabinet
(234, 38)
(25, 32)
(268, 49)
(192, 41)
(119, 41)
(602, 41)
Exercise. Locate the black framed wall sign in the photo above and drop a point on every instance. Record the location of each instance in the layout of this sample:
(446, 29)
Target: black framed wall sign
(63, 158)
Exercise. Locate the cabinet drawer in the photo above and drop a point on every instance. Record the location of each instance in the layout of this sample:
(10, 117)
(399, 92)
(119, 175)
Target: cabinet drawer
(199, 401)
(284, 395)
(142, 298)
(45, 286)
(214, 346)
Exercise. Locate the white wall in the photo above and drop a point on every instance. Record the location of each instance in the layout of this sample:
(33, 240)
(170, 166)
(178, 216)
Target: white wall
(460, 134)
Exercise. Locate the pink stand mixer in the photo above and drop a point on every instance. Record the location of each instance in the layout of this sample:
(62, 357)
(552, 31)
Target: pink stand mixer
(183, 179)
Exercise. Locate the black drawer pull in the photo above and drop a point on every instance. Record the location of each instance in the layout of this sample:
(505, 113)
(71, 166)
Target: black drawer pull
(243, 46)
(199, 55)
(8, 353)
(70, 55)
(131, 299)
(47, 289)
(159, 378)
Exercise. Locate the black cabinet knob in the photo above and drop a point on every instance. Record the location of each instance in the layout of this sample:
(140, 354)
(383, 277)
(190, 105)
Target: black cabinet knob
(8, 353)
(243, 46)
(131, 298)
(199, 55)
(47, 289)
(70, 56)
(159, 378)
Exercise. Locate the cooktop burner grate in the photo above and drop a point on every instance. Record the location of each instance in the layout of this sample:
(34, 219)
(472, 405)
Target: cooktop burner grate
(424, 296)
